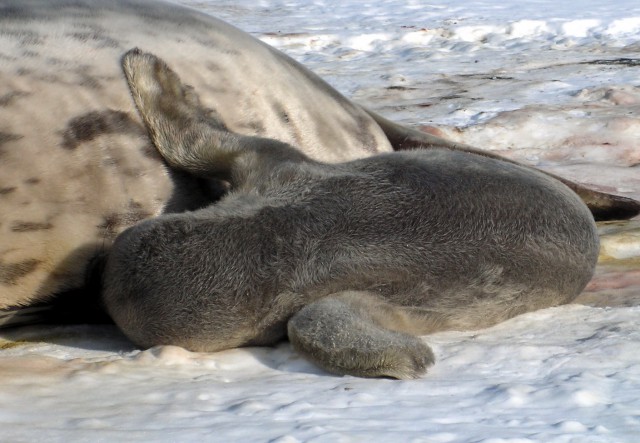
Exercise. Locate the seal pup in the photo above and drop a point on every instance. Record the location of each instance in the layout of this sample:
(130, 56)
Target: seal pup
(77, 166)
(352, 261)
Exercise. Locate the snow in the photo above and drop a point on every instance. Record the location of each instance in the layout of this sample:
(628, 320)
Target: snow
(548, 83)
(557, 375)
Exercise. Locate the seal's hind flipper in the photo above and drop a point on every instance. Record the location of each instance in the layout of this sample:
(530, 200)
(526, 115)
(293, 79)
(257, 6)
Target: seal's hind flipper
(182, 131)
(603, 206)
(71, 307)
(21, 316)
(188, 136)
(352, 333)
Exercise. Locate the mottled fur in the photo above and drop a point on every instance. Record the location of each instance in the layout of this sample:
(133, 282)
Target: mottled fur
(76, 163)
(352, 260)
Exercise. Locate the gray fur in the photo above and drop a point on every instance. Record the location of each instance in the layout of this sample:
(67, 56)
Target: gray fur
(352, 260)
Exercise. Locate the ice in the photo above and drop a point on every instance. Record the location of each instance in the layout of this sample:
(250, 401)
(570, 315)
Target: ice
(553, 84)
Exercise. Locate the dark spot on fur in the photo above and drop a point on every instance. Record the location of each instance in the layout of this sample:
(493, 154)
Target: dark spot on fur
(86, 79)
(133, 172)
(94, 124)
(11, 273)
(150, 151)
(366, 135)
(9, 190)
(285, 118)
(232, 52)
(111, 162)
(281, 112)
(84, 76)
(213, 67)
(54, 61)
(30, 54)
(94, 36)
(6, 137)
(22, 226)
(24, 37)
(211, 42)
(32, 181)
(90, 82)
(114, 223)
(256, 126)
(8, 98)
(7, 57)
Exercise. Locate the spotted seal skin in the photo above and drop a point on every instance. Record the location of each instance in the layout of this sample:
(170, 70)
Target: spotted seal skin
(76, 163)
(352, 261)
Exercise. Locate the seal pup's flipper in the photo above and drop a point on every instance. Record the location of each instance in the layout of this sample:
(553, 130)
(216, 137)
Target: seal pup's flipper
(603, 206)
(356, 333)
(177, 123)
(188, 136)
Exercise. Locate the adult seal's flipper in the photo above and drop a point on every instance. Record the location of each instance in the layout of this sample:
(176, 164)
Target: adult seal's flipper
(20, 316)
(603, 206)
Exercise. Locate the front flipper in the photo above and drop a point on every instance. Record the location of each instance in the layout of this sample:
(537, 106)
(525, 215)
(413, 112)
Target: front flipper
(603, 206)
(355, 333)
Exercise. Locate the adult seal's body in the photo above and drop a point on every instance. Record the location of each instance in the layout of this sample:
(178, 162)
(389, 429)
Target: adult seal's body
(352, 260)
(76, 163)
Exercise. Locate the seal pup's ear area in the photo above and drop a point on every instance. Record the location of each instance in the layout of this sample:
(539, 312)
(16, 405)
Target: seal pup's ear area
(603, 206)
(187, 136)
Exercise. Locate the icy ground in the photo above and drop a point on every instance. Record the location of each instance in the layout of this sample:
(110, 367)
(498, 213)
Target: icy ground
(554, 84)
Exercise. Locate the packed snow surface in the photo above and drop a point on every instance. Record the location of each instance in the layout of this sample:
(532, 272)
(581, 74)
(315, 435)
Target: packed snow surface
(569, 374)
(552, 84)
